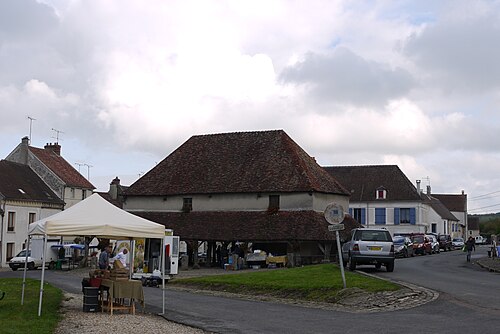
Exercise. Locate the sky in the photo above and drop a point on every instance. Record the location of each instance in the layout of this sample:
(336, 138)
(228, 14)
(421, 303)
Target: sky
(120, 84)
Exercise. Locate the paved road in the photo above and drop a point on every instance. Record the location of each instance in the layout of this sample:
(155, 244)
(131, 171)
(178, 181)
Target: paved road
(460, 308)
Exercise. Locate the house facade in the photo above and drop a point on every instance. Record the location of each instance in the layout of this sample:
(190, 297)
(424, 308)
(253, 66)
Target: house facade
(260, 188)
(457, 204)
(24, 198)
(55, 171)
(382, 196)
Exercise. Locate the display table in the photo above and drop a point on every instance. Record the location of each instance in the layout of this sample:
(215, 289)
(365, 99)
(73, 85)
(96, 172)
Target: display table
(278, 260)
(117, 293)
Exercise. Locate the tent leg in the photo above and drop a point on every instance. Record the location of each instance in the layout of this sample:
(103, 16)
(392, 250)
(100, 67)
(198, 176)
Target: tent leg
(25, 268)
(43, 275)
(163, 274)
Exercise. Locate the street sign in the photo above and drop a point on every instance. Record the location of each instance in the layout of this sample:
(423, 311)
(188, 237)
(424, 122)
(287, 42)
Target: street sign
(334, 213)
(335, 227)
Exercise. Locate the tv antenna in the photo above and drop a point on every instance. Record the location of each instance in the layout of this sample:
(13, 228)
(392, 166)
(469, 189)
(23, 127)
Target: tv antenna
(31, 124)
(428, 180)
(57, 135)
(79, 164)
(88, 170)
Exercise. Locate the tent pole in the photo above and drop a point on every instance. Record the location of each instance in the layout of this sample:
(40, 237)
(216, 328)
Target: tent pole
(43, 275)
(131, 259)
(163, 257)
(25, 268)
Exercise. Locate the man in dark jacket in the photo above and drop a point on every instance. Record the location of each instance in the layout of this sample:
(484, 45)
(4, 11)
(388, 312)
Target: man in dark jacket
(470, 246)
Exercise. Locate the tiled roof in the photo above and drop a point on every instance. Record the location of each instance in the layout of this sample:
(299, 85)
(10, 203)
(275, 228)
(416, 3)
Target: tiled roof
(363, 181)
(61, 168)
(263, 161)
(439, 207)
(20, 182)
(248, 225)
(107, 197)
(457, 203)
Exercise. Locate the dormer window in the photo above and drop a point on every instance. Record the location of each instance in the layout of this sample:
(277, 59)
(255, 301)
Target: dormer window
(381, 193)
(274, 203)
(187, 204)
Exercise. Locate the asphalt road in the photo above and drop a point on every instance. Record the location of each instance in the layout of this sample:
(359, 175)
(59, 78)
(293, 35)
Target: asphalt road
(469, 302)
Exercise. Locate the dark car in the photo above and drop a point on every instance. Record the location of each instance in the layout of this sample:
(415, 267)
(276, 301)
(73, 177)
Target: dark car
(445, 242)
(403, 246)
(421, 244)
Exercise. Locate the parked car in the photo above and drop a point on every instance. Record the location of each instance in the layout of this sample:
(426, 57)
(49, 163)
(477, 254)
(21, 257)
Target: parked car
(403, 246)
(457, 243)
(480, 240)
(434, 243)
(369, 246)
(421, 244)
(445, 242)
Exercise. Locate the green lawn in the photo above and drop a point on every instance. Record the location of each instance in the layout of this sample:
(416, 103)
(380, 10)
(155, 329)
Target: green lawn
(17, 318)
(312, 283)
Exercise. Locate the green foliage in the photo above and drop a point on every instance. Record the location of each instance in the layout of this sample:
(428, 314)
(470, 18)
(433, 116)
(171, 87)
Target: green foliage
(314, 283)
(17, 318)
(491, 226)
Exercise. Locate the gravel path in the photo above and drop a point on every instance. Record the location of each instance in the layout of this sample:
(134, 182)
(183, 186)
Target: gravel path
(76, 321)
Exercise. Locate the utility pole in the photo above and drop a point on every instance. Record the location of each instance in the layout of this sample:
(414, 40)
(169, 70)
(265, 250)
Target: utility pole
(31, 124)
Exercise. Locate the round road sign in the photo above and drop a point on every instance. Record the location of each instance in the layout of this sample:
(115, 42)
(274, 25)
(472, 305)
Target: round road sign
(334, 213)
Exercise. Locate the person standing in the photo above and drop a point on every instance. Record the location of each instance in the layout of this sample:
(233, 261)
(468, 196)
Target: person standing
(470, 246)
(104, 258)
(122, 256)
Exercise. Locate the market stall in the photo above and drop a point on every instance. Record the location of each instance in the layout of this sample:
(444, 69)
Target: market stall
(93, 216)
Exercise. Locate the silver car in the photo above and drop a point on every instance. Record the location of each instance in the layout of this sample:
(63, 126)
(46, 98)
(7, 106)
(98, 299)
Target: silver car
(369, 246)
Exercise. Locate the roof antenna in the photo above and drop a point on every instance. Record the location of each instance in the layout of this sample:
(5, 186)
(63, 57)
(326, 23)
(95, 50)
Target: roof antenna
(88, 170)
(428, 180)
(57, 135)
(79, 164)
(31, 123)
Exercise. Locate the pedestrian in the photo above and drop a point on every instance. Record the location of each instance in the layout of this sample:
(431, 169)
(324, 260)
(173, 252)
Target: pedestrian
(122, 257)
(104, 257)
(470, 246)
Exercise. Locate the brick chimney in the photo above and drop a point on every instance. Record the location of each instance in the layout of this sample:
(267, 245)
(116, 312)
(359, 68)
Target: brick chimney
(56, 148)
(23, 150)
(114, 188)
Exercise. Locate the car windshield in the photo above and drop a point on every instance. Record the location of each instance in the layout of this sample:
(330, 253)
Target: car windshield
(398, 240)
(443, 237)
(458, 239)
(23, 253)
(417, 238)
(373, 236)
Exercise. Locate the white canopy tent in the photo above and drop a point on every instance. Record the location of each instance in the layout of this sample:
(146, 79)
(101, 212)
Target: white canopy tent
(94, 216)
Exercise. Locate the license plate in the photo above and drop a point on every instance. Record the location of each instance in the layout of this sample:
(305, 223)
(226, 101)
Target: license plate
(375, 248)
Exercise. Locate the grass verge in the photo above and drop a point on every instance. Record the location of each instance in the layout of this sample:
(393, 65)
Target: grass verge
(17, 318)
(320, 283)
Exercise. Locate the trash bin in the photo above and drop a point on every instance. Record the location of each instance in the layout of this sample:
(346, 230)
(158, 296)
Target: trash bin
(90, 299)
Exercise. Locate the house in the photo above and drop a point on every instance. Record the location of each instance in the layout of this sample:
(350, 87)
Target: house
(457, 204)
(473, 227)
(56, 172)
(382, 196)
(260, 188)
(24, 198)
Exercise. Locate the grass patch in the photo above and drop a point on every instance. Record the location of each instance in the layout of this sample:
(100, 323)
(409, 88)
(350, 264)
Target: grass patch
(17, 318)
(321, 283)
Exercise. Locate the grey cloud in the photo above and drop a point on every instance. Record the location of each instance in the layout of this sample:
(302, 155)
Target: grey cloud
(460, 55)
(345, 77)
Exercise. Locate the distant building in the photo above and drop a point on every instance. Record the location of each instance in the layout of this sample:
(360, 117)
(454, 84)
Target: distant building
(457, 204)
(55, 171)
(24, 198)
(255, 187)
(382, 196)
(115, 194)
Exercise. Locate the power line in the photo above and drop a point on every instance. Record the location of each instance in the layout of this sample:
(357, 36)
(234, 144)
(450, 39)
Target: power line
(479, 196)
(484, 207)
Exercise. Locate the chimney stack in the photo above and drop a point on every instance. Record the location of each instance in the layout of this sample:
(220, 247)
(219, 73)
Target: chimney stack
(418, 186)
(56, 148)
(114, 186)
(23, 150)
(428, 190)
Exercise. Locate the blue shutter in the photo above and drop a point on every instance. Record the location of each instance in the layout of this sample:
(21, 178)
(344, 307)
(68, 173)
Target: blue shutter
(363, 216)
(379, 216)
(413, 216)
(350, 212)
(396, 216)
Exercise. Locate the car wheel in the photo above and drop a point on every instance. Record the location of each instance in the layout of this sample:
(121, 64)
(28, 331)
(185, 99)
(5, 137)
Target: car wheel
(352, 264)
(31, 266)
(52, 265)
(378, 265)
(14, 269)
(390, 267)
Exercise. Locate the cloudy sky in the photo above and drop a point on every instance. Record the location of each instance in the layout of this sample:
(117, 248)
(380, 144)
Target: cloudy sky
(412, 83)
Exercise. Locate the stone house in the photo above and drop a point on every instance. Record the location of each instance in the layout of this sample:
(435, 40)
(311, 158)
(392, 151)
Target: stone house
(24, 198)
(64, 180)
(457, 204)
(260, 188)
(382, 196)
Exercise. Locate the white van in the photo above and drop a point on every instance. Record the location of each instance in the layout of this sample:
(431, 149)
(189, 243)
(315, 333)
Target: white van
(480, 240)
(35, 256)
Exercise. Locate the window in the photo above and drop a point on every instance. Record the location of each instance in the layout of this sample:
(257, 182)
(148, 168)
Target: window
(187, 204)
(434, 228)
(359, 215)
(31, 217)
(84, 193)
(404, 216)
(11, 222)
(274, 202)
(10, 251)
(381, 193)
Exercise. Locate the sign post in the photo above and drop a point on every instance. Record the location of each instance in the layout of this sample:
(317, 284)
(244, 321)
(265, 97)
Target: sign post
(334, 214)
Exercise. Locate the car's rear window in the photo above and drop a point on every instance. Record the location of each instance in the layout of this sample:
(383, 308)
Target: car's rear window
(398, 240)
(417, 238)
(373, 236)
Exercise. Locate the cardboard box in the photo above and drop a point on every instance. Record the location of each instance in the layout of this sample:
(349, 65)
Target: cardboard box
(118, 264)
